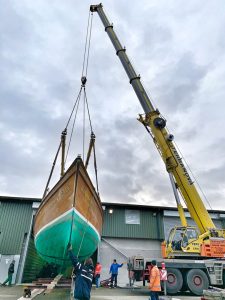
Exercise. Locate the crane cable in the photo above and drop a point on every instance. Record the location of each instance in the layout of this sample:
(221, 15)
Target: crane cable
(83, 81)
(75, 111)
(189, 168)
(94, 152)
(76, 105)
(85, 105)
(87, 46)
(60, 144)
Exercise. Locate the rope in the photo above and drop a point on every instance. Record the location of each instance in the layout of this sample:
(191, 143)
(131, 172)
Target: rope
(194, 177)
(75, 109)
(89, 43)
(95, 160)
(78, 97)
(83, 125)
(81, 243)
(84, 67)
(74, 121)
(85, 48)
(74, 201)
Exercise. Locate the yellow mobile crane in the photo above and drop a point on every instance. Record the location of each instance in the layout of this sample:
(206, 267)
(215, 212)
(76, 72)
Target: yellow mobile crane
(205, 240)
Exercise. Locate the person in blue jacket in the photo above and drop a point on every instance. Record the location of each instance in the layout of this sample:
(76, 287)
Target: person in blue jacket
(84, 276)
(114, 272)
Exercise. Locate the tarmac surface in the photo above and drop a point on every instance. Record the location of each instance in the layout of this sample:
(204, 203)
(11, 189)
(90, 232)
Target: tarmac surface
(16, 292)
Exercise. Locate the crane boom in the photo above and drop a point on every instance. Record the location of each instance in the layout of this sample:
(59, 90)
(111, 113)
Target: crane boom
(121, 52)
(161, 137)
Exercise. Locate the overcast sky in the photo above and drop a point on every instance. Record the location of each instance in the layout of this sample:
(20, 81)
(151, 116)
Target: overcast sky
(177, 46)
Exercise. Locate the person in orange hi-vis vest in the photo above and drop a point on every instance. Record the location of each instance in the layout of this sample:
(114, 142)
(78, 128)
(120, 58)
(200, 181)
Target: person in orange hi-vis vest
(98, 269)
(154, 279)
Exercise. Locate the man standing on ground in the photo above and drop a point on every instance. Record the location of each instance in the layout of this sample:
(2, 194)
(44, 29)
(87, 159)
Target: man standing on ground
(154, 279)
(98, 269)
(84, 276)
(114, 272)
(10, 274)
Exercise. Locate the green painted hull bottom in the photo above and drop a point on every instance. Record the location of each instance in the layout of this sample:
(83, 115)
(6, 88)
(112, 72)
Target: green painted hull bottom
(51, 243)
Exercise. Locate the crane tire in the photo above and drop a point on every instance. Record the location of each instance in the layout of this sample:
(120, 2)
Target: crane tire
(197, 281)
(174, 281)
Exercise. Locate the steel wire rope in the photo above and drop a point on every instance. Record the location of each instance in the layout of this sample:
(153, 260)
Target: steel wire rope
(182, 157)
(78, 97)
(74, 121)
(87, 223)
(84, 124)
(89, 44)
(189, 168)
(74, 201)
(85, 62)
(57, 152)
(95, 160)
(85, 66)
(85, 47)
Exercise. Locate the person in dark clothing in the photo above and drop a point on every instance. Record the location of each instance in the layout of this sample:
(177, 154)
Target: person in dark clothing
(114, 272)
(10, 274)
(84, 276)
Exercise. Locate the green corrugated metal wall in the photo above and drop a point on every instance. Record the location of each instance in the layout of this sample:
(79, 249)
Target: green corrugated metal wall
(223, 222)
(33, 263)
(150, 227)
(15, 219)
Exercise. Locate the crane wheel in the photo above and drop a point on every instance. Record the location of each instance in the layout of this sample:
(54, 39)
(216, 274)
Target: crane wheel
(174, 281)
(197, 281)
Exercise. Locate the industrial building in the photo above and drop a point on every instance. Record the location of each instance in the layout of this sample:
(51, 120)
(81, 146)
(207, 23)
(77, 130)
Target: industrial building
(127, 230)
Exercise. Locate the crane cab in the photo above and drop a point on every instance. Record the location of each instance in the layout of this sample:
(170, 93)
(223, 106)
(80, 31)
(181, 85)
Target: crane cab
(181, 241)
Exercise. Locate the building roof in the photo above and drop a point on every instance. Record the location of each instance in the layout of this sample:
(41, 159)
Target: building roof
(153, 207)
(111, 204)
(19, 199)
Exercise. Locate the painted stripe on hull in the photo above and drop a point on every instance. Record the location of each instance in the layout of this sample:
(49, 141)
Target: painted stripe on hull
(62, 216)
(51, 241)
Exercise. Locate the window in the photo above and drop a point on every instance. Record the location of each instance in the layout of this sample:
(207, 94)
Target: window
(132, 216)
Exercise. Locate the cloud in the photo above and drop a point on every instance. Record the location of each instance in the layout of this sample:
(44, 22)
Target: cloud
(179, 83)
(177, 49)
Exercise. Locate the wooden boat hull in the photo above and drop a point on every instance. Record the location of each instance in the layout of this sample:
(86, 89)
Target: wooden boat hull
(70, 213)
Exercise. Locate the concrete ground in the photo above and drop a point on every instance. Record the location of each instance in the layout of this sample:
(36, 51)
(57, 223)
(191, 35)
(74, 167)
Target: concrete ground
(132, 294)
(15, 292)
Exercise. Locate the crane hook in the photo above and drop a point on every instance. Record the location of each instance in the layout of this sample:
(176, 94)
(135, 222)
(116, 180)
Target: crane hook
(83, 80)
